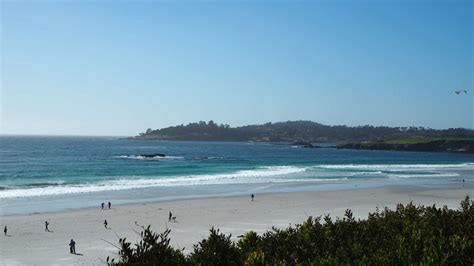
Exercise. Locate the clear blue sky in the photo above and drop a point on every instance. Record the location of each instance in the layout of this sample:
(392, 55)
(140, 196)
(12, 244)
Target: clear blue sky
(119, 67)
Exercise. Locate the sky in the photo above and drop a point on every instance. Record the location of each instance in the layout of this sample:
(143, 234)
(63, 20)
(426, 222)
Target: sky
(120, 67)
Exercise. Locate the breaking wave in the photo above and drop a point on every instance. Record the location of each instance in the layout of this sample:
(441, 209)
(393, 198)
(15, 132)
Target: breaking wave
(271, 174)
(267, 174)
(392, 167)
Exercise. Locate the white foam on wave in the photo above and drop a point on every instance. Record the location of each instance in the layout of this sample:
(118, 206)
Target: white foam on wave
(392, 167)
(365, 173)
(428, 175)
(398, 171)
(271, 174)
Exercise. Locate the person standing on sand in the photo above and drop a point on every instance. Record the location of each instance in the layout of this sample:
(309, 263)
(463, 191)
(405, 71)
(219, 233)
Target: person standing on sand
(170, 216)
(46, 224)
(5, 230)
(110, 204)
(102, 205)
(253, 196)
(105, 223)
(72, 247)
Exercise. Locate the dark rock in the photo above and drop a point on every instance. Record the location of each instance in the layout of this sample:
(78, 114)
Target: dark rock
(303, 144)
(440, 145)
(154, 155)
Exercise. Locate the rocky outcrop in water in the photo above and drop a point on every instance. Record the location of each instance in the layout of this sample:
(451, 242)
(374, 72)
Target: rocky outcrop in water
(437, 145)
(303, 144)
(153, 155)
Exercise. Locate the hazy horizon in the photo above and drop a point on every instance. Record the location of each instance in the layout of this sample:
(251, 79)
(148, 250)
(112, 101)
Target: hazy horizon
(118, 68)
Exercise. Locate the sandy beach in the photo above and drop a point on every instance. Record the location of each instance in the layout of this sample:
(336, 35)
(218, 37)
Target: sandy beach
(28, 243)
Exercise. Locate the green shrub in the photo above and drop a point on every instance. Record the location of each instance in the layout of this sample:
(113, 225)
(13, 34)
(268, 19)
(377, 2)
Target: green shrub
(153, 249)
(217, 249)
(408, 235)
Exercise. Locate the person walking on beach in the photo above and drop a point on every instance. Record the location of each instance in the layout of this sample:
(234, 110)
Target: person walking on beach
(102, 205)
(170, 216)
(110, 204)
(253, 196)
(46, 224)
(105, 223)
(5, 230)
(72, 247)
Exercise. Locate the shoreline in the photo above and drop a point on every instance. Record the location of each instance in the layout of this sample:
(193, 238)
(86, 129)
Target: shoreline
(244, 195)
(29, 244)
(270, 189)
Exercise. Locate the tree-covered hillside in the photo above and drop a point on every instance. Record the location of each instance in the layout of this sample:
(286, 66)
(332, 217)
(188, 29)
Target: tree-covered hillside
(296, 131)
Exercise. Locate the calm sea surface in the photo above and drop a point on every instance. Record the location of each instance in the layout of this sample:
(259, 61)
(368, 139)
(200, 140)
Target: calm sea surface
(42, 174)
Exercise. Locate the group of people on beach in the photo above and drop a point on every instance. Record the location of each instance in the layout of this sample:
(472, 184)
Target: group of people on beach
(103, 204)
(72, 243)
(46, 228)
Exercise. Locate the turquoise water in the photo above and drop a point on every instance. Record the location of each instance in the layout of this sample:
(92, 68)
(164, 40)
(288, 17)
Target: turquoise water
(39, 174)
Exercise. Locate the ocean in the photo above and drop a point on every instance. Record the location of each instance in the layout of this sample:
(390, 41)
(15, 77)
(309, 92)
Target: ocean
(48, 174)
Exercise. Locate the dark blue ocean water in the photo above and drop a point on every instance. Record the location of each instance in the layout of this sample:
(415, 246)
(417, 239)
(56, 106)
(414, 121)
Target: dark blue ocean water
(54, 173)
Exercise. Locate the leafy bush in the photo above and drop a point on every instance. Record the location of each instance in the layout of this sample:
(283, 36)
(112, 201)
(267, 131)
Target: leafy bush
(407, 235)
(217, 249)
(153, 249)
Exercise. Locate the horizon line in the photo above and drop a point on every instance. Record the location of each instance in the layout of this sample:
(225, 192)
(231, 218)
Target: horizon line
(60, 135)
(236, 126)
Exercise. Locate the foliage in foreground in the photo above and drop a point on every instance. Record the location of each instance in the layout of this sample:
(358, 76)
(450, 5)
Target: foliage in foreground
(408, 235)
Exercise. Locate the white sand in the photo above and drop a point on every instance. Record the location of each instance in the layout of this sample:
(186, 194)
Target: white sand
(29, 244)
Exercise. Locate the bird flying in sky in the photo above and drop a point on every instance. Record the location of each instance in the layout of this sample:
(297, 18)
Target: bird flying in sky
(459, 92)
